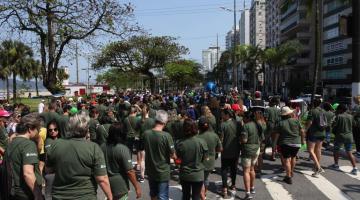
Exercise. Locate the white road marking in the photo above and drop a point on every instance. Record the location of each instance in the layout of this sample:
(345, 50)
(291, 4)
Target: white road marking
(325, 186)
(276, 190)
(347, 170)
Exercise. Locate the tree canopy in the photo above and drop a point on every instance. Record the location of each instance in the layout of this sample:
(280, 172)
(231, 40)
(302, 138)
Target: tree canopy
(55, 23)
(140, 54)
(183, 73)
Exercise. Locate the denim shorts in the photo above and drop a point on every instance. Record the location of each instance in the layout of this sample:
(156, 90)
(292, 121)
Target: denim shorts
(159, 189)
(338, 145)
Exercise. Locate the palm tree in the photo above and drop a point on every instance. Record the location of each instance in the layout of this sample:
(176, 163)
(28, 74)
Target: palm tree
(4, 73)
(251, 57)
(314, 5)
(278, 57)
(35, 67)
(16, 56)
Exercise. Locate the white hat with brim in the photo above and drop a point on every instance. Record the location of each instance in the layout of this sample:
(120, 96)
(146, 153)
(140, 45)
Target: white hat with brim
(286, 111)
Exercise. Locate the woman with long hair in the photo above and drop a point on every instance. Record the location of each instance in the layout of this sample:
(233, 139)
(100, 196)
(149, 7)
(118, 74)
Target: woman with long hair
(119, 163)
(192, 151)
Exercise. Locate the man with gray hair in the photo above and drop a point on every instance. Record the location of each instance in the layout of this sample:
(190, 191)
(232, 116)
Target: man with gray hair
(159, 148)
(79, 164)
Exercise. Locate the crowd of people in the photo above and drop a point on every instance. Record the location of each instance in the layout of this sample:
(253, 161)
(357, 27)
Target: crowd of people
(88, 143)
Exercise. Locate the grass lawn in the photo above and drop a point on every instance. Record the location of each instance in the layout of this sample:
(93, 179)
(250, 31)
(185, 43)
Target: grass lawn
(32, 103)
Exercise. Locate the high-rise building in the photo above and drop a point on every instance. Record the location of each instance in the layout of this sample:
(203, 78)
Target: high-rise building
(210, 58)
(272, 23)
(257, 23)
(297, 24)
(337, 50)
(229, 40)
(244, 27)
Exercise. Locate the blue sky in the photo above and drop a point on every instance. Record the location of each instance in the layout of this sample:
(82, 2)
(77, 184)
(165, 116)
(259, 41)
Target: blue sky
(195, 22)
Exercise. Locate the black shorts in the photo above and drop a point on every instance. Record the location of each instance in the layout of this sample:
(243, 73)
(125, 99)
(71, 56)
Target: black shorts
(42, 157)
(289, 151)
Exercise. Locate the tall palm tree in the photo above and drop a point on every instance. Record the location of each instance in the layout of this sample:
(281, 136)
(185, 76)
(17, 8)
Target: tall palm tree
(314, 5)
(5, 71)
(278, 57)
(17, 56)
(35, 67)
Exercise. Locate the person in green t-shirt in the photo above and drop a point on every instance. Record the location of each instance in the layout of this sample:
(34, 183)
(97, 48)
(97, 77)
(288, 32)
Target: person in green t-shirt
(4, 116)
(79, 164)
(315, 135)
(214, 145)
(291, 136)
(192, 153)
(342, 128)
(231, 149)
(330, 116)
(22, 155)
(94, 123)
(250, 137)
(131, 122)
(159, 148)
(119, 163)
(146, 123)
(272, 116)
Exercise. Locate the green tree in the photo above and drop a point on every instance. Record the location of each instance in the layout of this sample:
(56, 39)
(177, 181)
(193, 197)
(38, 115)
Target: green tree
(118, 79)
(140, 54)
(220, 70)
(56, 23)
(183, 73)
(5, 72)
(16, 58)
(313, 5)
(278, 57)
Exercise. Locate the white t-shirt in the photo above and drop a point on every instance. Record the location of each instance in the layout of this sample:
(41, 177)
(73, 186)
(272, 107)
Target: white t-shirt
(41, 107)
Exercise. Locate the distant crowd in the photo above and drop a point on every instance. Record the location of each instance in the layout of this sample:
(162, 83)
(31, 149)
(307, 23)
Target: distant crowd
(85, 143)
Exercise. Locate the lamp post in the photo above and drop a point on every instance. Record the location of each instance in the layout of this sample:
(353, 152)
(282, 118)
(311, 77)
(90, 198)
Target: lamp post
(234, 63)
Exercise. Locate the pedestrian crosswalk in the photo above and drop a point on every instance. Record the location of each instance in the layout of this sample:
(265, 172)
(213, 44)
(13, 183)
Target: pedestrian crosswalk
(333, 184)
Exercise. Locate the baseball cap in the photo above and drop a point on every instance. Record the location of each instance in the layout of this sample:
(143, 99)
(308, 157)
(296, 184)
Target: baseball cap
(4, 113)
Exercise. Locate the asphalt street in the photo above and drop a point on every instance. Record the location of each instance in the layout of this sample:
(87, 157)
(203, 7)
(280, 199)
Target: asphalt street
(332, 184)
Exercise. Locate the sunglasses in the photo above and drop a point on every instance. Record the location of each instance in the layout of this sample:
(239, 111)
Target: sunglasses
(50, 130)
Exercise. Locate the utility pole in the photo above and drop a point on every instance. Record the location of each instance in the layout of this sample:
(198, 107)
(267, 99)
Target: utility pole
(235, 77)
(77, 64)
(355, 48)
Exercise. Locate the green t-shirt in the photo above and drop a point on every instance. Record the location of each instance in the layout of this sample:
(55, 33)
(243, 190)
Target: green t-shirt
(330, 116)
(213, 142)
(272, 115)
(159, 146)
(102, 133)
(63, 124)
(230, 139)
(314, 117)
(48, 142)
(76, 163)
(3, 137)
(251, 133)
(145, 125)
(289, 130)
(93, 125)
(193, 152)
(118, 162)
(132, 125)
(22, 151)
(343, 128)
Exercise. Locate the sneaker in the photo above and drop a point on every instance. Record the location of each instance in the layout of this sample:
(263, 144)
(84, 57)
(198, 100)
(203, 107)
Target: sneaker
(354, 171)
(318, 172)
(141, 180)
(287, 180)
(248, 196)
(335, 166)
(252, 190)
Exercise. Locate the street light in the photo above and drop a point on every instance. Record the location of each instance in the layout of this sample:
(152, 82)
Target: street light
(235, 69)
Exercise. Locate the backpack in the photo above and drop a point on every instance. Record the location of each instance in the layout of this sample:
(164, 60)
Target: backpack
(323, 123)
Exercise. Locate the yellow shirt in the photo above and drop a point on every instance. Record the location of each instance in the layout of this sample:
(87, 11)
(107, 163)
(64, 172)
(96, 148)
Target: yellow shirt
(42, 135)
